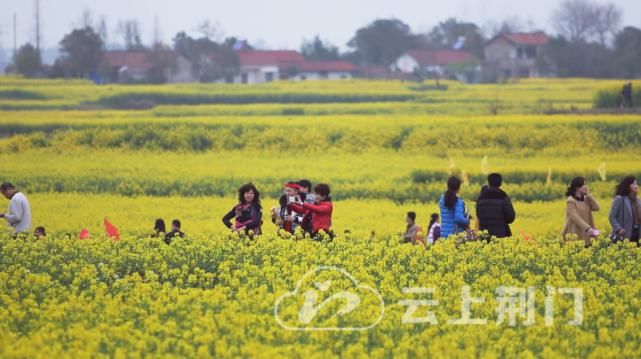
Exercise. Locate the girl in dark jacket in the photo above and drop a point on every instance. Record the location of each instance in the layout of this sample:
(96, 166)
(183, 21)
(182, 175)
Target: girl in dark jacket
(248, 214)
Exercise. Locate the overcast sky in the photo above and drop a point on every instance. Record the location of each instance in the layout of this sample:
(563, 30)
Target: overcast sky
(273, 23)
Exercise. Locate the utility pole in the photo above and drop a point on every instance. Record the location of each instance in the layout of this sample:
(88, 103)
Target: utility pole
(156, 37)
(37, 19)
(15, 34)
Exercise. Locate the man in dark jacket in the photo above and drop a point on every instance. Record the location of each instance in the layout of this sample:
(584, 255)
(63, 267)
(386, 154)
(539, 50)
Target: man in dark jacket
(175, 232)
(494, 208)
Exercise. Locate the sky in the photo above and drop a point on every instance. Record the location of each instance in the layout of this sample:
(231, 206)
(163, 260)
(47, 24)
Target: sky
(273, 24)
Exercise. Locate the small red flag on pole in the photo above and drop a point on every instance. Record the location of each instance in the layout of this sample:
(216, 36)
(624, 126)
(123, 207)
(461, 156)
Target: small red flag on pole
(84, 234)
(526, 236)
(111, 230)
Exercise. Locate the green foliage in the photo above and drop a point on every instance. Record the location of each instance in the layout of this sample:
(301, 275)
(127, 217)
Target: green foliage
(612, 98)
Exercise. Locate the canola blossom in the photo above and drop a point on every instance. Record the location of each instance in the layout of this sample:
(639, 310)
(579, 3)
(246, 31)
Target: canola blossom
(132, 154)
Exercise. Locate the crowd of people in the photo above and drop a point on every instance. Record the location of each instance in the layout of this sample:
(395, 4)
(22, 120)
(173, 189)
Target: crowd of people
(495, 213)
(300, 210)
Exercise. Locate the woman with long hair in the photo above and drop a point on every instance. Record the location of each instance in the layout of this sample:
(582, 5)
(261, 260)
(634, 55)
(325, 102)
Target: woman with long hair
(433, 229)
(578, 213)
(159, 229)
(625, 214)
(454, 216)
(248, 213)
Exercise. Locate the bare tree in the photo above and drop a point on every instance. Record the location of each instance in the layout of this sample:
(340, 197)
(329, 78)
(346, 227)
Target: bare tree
(102, 30)
(607, 22)
(86, 19)
(575, 19)
(130, 31)
(157, 36)
(509, 25)
(210, 30)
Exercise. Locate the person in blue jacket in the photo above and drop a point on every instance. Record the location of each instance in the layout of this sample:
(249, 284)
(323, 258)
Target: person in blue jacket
(454, 217)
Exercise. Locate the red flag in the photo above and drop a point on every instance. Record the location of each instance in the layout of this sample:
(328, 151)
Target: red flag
(84, 234)
(111, 230)
(526, 236)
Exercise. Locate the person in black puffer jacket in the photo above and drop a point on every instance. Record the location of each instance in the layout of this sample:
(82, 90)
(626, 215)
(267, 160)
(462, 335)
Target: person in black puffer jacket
(494, 208)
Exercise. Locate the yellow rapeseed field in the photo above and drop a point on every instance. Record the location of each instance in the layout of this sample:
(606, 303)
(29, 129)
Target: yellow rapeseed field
(82, 153)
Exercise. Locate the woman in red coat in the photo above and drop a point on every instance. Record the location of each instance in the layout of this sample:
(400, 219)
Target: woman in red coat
(321, 210)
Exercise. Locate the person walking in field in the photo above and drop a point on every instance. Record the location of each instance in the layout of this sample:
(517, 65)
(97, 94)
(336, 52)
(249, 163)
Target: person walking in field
(321, 211)
(412, 229)
(626, 93)
(625, 213)
(18, 215)
(494, 209)
(433, 229)
(454, 216)
(248, 213)
(579, 220)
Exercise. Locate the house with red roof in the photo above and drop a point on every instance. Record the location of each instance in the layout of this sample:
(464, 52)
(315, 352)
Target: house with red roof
(318, 70)
(259, 66)
(457, 64)
(515, 55)
(124, 66)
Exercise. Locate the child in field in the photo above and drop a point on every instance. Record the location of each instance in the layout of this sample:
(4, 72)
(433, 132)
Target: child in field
(433, 229)
(286, 218)
(40, 232)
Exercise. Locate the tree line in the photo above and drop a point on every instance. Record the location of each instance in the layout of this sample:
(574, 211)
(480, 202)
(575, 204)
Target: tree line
(589, 42)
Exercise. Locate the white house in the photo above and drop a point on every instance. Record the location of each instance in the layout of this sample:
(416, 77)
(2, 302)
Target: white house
(515, 55)
(462, 65)
(262, 66)
(319, 70)
(182, 72)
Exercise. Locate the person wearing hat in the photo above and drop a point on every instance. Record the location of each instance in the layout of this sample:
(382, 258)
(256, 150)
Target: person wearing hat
(283, 216)
(494, 208)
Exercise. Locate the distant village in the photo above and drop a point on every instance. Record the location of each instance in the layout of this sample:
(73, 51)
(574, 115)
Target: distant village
(507, 55)
(590, 42)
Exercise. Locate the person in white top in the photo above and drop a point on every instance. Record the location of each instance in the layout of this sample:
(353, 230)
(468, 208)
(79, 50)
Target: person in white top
(433, 229)
(19, 213)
